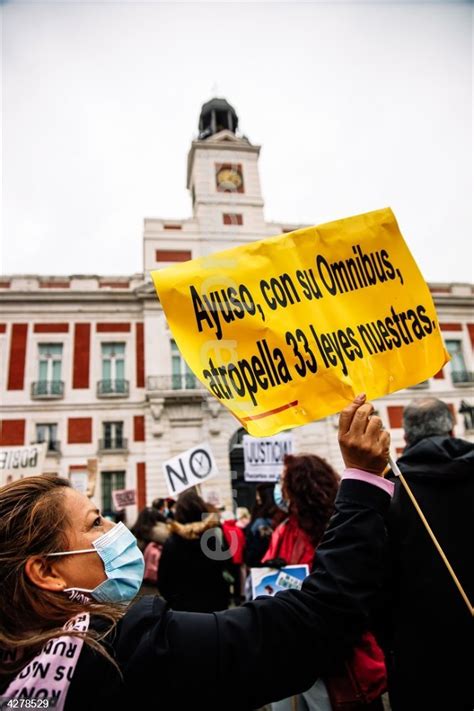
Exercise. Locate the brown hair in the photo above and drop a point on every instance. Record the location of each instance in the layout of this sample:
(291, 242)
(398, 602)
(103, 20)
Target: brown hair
(33, 521)
(190, 507)
(310, 484)
(267, 507)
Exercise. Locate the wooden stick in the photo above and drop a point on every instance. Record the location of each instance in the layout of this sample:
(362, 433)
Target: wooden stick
(398, 473)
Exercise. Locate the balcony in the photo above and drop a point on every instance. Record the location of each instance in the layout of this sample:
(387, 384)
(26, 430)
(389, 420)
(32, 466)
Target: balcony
(424, 385)
(53, 449)
(113, 388)
(187, 381)
(462, 378)
(47, 390)
(112, 445)
(467, 411)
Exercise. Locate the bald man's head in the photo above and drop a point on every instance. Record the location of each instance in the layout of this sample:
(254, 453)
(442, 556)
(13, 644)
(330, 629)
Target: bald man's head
(426, 418)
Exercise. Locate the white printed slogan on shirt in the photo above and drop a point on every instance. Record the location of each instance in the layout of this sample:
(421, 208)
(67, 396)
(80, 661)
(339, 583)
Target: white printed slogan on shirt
(49, 674)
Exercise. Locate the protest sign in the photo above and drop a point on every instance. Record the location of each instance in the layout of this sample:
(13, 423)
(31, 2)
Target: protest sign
(92, 467)
(211, 495)
(268, 581)
(18, 462)
(289, 329)
(79, 480)
(190, 468)
(123, 498)
(263, 457)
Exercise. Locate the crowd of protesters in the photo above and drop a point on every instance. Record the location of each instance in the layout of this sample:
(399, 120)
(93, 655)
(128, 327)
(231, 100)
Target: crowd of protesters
(284, 527)
(199, 560)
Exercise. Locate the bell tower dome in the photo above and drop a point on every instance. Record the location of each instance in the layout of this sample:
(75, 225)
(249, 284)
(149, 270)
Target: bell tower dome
(217, 115)
(223, 178)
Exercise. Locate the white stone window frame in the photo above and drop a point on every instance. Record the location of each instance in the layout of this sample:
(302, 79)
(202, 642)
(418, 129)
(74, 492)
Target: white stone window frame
(126, 337)
(33, 357)
(47, 423)
(114, 418)
(50, 359)
(466, 350)
(185, 373)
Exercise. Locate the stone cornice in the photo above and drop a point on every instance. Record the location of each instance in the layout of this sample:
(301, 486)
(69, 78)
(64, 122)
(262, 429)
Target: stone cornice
(72, 407)
(454, 300)
(67, 297)
(143, 291)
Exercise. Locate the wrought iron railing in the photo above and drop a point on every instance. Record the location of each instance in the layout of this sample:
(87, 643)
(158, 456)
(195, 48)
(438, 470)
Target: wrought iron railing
(461, 377)
(113, 388)
(420, 386)
(54, 445)
(113, 443)
(47, 389)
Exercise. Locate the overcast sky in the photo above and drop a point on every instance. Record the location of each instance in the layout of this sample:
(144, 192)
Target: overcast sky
(358, 106)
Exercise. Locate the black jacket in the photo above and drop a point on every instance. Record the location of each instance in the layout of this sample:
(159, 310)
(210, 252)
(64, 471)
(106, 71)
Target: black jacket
(258, 535)
(188, 579)
(265, 650)
(429, 635)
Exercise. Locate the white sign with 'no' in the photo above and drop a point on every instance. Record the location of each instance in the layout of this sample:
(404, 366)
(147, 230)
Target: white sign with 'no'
(192, 467)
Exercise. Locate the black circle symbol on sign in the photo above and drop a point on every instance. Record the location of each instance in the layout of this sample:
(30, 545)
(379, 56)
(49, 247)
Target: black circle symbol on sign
(200, 463)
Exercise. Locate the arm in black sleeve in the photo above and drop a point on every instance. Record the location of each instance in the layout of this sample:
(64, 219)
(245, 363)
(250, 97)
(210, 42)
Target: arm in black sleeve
(382, 622)
(273, 647)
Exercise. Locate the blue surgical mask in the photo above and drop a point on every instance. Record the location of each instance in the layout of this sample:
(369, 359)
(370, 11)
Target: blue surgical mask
(123, 564)
(278, 497)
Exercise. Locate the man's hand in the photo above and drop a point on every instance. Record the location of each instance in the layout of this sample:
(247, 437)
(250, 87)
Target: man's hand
(363, 442)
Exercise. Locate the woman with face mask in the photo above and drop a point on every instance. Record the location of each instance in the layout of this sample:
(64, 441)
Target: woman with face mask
(265, 517)
(69, 640)
(306, 491)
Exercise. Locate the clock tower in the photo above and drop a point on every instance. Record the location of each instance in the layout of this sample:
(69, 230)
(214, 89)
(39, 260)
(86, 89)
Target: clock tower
(227, 204)
(223, 179)
(227, 211)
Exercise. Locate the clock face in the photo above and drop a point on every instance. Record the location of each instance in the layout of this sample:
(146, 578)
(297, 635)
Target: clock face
(229, 178)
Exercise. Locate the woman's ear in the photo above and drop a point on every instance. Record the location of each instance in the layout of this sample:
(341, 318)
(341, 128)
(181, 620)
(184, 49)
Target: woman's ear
(43, 573)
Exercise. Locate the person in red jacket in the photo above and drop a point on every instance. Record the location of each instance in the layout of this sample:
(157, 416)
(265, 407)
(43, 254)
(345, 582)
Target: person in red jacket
(308, 487)
(234, 535)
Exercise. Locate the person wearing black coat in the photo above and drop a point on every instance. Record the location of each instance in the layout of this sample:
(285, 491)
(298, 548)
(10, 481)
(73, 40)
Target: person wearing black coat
(427, 626)
(265, 650)
(266, 516)
(237, 659)
(190, 577)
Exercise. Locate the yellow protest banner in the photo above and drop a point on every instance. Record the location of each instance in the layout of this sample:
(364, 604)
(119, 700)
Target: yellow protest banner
(289, 329)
